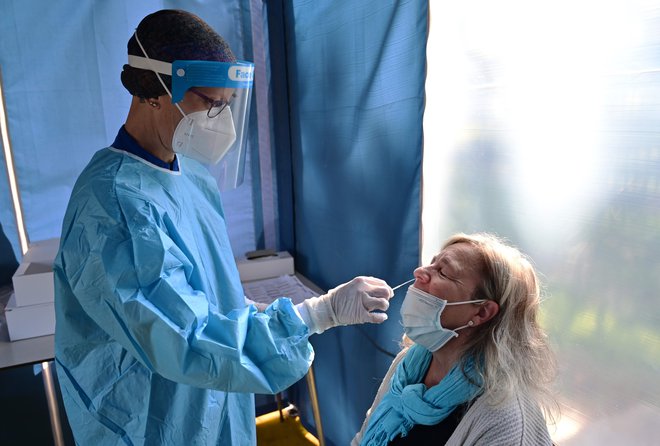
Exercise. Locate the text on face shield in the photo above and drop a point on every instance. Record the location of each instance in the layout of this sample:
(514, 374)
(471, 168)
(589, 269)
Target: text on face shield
(241, 73)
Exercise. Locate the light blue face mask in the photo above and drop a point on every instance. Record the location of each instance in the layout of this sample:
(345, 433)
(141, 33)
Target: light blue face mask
(420, 314)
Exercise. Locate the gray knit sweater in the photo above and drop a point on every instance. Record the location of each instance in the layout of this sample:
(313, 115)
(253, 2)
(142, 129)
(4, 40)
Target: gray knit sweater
(518, 421)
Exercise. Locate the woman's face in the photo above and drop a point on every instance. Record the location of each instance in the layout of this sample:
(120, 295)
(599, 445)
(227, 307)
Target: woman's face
(453, 275)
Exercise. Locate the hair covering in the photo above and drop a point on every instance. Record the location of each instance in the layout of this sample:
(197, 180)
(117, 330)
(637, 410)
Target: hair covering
(170, 35)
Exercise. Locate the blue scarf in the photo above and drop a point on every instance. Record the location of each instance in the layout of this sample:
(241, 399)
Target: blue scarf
(409, 402)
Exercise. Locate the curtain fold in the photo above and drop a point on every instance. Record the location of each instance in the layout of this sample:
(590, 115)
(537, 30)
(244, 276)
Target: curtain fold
(356, 89)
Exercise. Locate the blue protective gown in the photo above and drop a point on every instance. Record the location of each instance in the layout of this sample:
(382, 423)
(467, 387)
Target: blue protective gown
(154, 344)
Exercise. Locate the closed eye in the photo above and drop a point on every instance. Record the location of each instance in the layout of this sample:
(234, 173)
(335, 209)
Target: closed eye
(442, 273)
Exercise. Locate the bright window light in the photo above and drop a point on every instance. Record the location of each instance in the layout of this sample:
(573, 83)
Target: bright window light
(542, 124)
(11, 175)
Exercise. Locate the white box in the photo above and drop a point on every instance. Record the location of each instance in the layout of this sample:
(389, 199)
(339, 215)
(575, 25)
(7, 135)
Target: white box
(30, 321)
(265, 267)
(33, 280)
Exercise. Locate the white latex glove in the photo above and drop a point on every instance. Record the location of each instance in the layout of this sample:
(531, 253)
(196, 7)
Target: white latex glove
(347, 304)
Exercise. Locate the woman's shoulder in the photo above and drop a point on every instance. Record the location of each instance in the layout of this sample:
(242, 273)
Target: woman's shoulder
(516, 404)
(517, 419)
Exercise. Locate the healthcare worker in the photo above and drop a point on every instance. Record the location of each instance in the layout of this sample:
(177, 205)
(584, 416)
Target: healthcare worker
(154, 342)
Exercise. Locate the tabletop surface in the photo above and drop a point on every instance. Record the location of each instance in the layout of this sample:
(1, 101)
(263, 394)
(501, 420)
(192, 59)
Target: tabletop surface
(26, 351)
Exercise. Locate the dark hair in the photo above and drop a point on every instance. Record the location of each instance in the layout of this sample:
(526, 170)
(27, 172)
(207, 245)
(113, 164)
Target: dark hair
(170, 35)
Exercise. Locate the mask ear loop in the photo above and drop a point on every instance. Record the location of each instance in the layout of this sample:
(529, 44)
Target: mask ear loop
(476, 301)
(156, 72)
(469, 324)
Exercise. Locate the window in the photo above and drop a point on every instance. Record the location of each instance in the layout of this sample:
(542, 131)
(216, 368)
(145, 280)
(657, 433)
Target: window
(542, 124)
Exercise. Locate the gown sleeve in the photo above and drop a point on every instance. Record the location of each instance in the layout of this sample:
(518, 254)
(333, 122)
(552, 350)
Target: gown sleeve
(133, 280)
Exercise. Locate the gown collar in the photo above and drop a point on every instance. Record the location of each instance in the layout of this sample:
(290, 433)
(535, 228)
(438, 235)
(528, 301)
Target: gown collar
(124, 141)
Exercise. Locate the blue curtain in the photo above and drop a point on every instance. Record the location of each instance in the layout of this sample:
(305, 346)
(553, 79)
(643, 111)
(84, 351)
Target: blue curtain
(356, 91)
(61, 63)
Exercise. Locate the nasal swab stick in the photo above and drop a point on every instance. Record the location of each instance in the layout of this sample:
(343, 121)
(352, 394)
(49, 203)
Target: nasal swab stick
(404, 283)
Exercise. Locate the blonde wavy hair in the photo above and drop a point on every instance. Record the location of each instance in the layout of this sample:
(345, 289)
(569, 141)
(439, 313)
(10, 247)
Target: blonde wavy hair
(514, 348)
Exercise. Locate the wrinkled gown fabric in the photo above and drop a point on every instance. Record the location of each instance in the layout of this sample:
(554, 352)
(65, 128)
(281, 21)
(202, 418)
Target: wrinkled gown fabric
(154, 344)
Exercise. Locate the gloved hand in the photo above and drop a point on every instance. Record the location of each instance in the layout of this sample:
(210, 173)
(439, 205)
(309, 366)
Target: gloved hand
(347, 304)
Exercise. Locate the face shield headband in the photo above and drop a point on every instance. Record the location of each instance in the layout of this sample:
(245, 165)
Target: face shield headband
(235, 76)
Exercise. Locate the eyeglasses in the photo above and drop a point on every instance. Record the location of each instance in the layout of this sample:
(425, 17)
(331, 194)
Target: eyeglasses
(216, 107)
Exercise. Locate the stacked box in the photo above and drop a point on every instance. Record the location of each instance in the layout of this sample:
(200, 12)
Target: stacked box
(274, 265)
(31, 310)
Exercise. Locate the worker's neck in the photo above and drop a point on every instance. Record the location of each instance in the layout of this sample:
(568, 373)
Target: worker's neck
(143, 125)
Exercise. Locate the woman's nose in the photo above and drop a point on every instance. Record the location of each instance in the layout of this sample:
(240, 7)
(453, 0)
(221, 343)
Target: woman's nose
(421, 274)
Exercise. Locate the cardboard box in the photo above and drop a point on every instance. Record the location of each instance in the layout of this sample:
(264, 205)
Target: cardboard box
(29, 321)
(33, 280)
(277, 265)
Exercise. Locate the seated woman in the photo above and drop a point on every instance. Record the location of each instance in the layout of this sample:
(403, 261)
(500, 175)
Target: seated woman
(476, 368)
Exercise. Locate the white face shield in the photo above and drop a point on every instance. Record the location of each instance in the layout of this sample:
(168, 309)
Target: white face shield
(216, 136)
